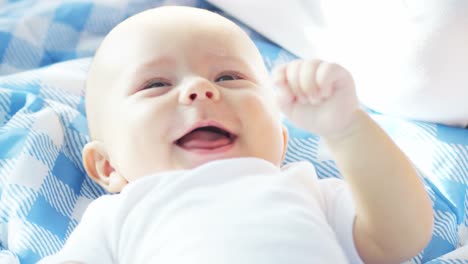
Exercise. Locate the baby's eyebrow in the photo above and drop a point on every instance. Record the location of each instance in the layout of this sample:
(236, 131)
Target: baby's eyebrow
(228, 58)
(230, 61)
(133, 74)
(164, 61)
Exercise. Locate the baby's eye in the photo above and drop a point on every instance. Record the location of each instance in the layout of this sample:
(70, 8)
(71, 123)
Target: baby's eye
(227, 77)
(157, 84)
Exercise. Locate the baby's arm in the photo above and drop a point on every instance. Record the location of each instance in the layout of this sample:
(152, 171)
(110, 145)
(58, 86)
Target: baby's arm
(394, 216)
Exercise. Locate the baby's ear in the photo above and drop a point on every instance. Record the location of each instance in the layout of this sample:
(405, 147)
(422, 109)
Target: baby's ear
(285, 141)
(97, 164)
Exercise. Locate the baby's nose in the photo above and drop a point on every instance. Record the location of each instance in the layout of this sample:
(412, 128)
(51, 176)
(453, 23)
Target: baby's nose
(195, 95)
(199, 90)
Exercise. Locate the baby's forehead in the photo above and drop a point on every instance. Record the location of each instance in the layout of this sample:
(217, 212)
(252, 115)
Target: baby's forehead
(145, 37)
(165, 20)
(153, 32)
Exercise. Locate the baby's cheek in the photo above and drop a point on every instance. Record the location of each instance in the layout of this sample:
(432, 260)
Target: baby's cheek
(141, 131)
(259, 100)
(259, 111)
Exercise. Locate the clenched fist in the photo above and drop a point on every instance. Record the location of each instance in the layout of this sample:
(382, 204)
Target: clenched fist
(317, 96)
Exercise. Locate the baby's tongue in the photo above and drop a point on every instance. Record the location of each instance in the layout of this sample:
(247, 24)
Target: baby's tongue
(204, 139)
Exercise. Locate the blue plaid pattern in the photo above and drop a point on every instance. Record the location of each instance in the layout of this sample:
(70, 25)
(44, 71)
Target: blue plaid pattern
(44, 55)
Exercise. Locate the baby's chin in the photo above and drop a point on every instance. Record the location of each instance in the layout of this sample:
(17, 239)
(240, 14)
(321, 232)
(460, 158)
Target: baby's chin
(200, 161)
(208, 161)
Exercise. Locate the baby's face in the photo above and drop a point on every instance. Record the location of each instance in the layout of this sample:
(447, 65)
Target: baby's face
(182, 90)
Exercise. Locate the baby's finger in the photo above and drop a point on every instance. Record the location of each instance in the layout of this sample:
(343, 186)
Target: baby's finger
(283, 92)
(292, 77)
(327, 75)
(307, 80)
(279, 75)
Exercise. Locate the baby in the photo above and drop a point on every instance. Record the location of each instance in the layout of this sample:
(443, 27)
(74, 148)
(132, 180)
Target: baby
(185, 127)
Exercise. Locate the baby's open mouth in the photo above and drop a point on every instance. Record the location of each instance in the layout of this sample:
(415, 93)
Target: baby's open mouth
(206, 138)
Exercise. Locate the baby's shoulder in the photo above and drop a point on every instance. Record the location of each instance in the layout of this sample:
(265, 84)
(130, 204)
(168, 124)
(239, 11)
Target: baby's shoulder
(300, 169)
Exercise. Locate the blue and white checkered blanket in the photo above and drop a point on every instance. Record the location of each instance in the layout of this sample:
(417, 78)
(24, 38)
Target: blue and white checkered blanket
(44, 55)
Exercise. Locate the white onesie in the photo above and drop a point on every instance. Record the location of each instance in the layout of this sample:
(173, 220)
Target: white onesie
(242, 210)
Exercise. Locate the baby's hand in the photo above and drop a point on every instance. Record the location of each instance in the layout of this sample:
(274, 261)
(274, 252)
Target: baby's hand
(317, 96)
